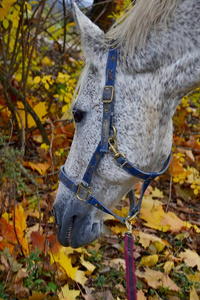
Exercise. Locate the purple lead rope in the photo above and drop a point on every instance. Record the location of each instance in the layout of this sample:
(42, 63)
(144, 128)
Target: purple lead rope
(130, 267)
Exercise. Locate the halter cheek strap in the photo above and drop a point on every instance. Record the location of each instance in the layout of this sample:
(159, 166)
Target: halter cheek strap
(82, 190)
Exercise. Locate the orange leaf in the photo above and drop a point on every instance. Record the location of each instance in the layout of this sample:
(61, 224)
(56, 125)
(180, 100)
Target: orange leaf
(7, 231)
(9, 234)
(54, 245)
(20, 224)
(177, 167)
(4, 244)
(37, 240)
(192, 143)
(172, 220)
(40, 167)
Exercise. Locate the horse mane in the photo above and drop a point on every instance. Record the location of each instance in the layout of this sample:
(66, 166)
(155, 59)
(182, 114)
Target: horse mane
(134, 26)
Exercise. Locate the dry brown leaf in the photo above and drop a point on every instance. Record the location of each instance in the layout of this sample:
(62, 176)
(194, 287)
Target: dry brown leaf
(140, 295)
(20, 275)
(5, 263)
(146, 239)
(191, 258)
(156, 279)
(104, 295)
(117, 263)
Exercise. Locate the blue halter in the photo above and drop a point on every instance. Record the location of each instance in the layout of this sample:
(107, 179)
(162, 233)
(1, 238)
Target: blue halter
(82, 190)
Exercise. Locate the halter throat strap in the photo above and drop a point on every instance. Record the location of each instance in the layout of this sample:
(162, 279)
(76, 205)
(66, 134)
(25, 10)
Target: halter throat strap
(82, 190)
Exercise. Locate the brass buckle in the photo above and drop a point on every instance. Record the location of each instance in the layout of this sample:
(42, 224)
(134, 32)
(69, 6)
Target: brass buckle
(117, 155)
(128, 223)
(133, 217)
(129, 228)
(87, 190)
(109, 91)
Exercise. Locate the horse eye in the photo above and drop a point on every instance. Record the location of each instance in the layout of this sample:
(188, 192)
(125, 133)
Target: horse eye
(78, 115)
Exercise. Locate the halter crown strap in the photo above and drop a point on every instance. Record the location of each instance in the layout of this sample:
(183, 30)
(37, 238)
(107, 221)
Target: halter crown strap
(107, 98)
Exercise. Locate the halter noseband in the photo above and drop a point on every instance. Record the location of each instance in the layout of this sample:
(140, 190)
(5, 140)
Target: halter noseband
(82, 190)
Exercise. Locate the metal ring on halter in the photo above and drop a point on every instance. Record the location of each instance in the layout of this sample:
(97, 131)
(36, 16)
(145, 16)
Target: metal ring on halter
(114, 133)
(117, 155)
(129, 227)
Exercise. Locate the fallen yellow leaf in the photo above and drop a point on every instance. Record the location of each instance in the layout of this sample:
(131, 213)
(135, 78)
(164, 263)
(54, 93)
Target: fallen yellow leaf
(68, 294)
(194, 278)
(80, 277)
(65, 262)
(153, 218)
(193, 294)
(149, 261)
(146, 239)
(156, 193)
(156, 218)
(172, 220)
(159, 246)
(168, 266)
(148, 203)
(88, 265)
(20, 225)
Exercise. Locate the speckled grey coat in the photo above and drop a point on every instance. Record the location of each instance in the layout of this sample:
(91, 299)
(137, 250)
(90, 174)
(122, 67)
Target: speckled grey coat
(149, 85)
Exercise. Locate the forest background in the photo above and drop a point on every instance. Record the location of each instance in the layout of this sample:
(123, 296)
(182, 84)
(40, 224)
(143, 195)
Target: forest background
(40, 63)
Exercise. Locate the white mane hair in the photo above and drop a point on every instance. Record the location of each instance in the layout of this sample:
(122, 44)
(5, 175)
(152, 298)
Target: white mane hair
(133, 27)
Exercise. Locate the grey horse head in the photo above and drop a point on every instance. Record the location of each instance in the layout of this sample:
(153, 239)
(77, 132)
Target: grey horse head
(150, 82)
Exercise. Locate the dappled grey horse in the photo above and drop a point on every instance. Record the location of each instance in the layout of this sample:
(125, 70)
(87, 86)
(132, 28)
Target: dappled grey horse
(158, 62)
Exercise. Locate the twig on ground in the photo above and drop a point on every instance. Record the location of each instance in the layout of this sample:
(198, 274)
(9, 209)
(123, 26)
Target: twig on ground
(171, 176)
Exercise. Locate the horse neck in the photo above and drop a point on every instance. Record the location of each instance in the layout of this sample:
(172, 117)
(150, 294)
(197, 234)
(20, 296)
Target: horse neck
(166, 44)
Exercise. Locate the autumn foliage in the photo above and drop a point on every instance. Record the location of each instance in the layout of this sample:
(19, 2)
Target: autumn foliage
(40, 61)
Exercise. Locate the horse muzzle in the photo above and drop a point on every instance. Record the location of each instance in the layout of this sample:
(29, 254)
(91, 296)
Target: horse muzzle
(76, 224)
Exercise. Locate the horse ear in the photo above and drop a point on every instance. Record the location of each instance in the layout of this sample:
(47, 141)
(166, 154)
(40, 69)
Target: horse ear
(92, 37)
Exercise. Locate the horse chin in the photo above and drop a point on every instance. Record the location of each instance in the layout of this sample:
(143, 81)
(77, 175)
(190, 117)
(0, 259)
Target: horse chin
(78, 232)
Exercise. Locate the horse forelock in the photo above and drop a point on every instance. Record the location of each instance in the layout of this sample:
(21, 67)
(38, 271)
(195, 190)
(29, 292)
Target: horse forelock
(134, 26)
